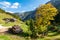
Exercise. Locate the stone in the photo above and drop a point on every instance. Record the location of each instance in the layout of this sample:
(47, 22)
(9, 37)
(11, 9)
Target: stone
(15, 29)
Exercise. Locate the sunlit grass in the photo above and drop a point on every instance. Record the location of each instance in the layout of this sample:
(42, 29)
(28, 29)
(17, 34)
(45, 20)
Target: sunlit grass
(10, 24)
(10, 37)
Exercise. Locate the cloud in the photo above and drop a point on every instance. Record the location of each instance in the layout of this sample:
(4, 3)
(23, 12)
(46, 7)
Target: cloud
(23, 11)
(10, 11)
(5, 4)
(15, 5)
(9, 5)
(34, 7)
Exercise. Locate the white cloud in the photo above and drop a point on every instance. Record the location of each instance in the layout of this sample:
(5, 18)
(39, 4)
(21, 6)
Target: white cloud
(15, 5)
(10, 11)
(5, 4)
(23, 11)
(34, 7)
(9, 5)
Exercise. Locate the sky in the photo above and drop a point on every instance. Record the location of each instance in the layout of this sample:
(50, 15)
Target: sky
(20, 5)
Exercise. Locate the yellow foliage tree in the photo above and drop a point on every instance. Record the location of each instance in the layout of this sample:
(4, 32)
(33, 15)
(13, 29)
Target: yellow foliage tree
(44, 14)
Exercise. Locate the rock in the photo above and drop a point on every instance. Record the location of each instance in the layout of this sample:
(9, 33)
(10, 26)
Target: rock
(9, 20)
(12, 19)
(15, 29)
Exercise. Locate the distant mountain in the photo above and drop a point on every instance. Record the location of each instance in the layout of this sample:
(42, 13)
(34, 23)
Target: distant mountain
(55, 3)
(27, 15)
(31, 14)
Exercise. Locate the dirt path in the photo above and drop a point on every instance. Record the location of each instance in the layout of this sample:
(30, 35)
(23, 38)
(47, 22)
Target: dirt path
(3, 29)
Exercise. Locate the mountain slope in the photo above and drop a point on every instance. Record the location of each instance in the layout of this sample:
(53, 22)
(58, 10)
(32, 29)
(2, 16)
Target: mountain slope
(55, 3)
(31, 14)
(17, 22)
(27, 15)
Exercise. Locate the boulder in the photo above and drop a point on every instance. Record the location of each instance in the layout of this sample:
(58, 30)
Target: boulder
(15, 29)
(9, 20)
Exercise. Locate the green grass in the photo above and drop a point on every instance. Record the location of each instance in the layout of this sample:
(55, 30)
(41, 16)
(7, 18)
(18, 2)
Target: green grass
(51, 35)
(10, 37)
(17, 22)
(18, 37)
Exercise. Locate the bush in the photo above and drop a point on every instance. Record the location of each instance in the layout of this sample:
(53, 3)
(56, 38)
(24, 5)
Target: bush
(52, 28)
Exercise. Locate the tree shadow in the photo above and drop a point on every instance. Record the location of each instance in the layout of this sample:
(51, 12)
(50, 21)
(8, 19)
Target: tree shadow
(19, 34)
(54, 34)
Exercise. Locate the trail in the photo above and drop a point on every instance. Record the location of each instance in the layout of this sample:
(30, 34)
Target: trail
(3, 29)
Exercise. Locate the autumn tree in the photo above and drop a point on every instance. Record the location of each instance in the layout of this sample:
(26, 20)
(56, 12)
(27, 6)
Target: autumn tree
(44, 14)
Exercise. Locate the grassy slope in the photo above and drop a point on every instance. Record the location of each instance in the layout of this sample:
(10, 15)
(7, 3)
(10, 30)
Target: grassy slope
(51, 36)
(16, 37)
(18, 22)
(10, 37)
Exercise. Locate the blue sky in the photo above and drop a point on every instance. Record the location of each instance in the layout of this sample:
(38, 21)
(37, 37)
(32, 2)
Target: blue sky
(21, 5)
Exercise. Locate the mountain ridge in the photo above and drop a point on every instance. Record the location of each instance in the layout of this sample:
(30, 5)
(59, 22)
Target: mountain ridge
(31, 14)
